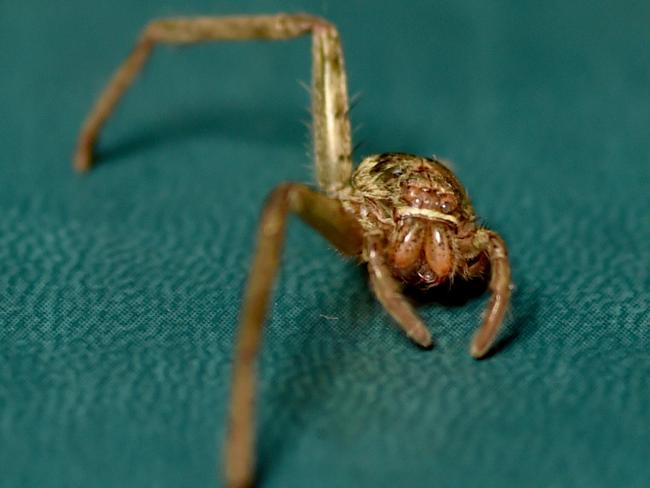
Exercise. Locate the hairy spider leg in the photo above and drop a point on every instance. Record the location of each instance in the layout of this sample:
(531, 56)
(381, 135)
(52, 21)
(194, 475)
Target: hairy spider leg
(330, 105)
(329, 218)
(501, 288)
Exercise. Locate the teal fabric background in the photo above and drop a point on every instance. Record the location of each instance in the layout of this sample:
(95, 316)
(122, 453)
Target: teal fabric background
(119, 290)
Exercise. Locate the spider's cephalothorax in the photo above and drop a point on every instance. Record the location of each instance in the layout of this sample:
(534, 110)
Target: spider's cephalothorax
(408, 217)
(424, 214)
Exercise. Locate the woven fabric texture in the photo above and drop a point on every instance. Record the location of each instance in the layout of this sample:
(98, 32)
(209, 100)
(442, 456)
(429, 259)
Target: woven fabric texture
(119, 290)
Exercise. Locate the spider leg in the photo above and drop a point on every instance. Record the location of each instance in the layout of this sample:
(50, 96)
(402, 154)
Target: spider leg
(387, 290)
(328, 217)
(501, 287)
(331, 127)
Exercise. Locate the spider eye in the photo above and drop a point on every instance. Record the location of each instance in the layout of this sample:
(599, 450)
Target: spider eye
(447, 204)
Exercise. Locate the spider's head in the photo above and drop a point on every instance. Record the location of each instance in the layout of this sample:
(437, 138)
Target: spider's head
(414, 185)
(429, 201)
(425, 212)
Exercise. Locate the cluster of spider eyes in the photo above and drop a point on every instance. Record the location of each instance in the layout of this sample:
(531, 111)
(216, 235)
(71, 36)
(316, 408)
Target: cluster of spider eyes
(430, 199)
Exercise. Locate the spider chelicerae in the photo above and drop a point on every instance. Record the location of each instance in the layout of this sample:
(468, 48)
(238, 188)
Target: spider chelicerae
(408, 217)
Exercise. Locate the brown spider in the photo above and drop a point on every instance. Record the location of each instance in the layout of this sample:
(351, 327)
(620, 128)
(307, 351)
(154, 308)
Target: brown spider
(406, 216)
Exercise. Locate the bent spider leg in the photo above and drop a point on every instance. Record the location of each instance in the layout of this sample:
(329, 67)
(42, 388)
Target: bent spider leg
(331, 128)
(387, 290)
(500, 286)
(328, 217)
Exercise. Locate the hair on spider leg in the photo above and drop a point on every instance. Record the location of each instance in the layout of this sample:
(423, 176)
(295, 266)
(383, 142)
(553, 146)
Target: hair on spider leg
(354, 101)
(308, 148)
(305, 86)
(357, 128)
(357, 146)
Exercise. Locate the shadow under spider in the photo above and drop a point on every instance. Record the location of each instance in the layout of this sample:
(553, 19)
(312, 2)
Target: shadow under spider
(519, 324)
(267, 125)
(455, 294)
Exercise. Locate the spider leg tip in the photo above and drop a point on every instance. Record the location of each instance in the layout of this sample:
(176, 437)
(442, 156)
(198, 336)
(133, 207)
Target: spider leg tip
(479, 351)
(239, 479)
(423, 341)
(82, 162)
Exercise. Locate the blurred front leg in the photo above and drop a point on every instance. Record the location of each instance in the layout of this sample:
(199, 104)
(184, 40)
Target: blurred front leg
(328, 217)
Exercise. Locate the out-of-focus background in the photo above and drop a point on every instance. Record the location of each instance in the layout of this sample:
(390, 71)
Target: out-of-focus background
(119, 290)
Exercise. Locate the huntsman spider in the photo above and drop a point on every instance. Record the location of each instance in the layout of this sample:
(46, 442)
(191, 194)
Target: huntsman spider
(406, 216)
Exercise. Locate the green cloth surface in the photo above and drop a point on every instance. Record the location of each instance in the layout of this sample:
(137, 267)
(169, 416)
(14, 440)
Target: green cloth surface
(119, 290)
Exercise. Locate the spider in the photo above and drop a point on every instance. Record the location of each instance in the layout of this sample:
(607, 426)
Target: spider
(406, 216)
